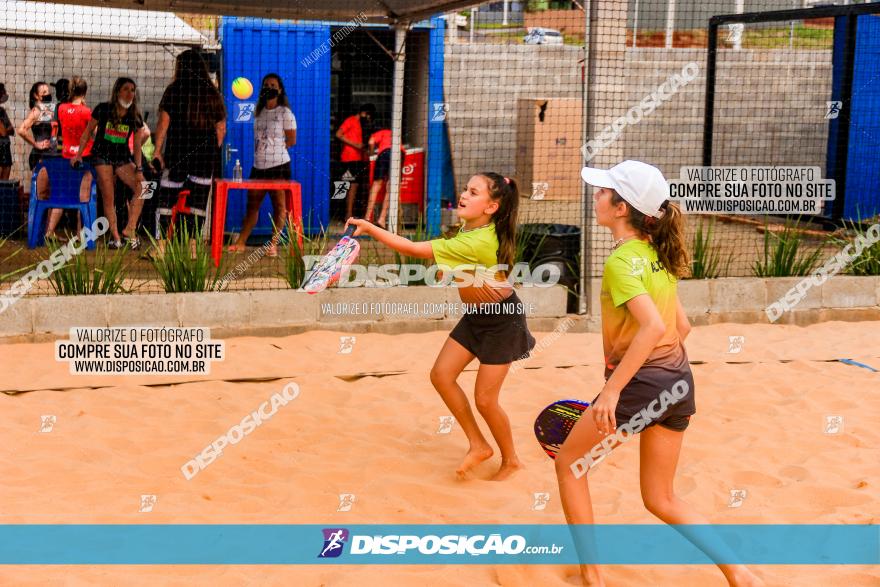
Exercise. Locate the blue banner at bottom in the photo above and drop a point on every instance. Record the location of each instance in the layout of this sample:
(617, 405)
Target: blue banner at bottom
(144, 544)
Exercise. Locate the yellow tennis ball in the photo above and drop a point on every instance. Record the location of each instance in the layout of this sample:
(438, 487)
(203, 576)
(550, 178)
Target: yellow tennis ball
(242, 88)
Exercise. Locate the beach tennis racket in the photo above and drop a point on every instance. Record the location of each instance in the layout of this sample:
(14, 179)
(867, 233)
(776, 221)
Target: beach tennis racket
(555, 422)
(329, 267)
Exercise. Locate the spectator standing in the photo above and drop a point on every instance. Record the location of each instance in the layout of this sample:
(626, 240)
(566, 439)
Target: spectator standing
(112, 123)
(188, 135)
(354, 153)
(380, 142)
(274, 133)
(36, 130)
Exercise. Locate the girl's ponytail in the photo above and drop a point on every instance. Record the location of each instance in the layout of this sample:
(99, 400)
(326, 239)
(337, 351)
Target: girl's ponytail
(504, 191)
(666, 233)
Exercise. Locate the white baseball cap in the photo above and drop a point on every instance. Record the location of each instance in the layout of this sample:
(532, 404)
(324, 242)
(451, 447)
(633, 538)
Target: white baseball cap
(641, 185)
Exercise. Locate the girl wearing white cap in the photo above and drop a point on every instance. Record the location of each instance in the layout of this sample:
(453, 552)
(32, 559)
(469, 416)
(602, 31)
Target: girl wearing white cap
(646, 366)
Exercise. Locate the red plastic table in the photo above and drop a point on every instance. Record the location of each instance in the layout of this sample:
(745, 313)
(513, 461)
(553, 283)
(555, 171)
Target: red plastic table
(221, 197)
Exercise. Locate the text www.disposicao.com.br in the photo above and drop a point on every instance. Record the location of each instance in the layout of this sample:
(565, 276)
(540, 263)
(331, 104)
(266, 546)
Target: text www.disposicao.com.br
(197, 367)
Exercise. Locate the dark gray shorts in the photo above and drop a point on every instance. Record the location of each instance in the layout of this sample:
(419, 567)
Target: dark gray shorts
(643, 393)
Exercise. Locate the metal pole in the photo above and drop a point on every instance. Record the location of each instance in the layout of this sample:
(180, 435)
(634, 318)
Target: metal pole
(586, 280)
(670, 23)
(709, 110)
(396, 123)
(636, 25)
(504, 19)
(737, 40)
(473, 17)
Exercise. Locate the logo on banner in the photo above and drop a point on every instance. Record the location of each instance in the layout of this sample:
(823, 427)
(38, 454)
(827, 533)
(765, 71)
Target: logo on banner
(539, 190)
(408, 169)
(148, 502)
(148, 189)
(540, 502)
(833, 109)
(736, 32)
(334, 541)
(340, 190)
(346, 502)
(735, 344)
(439, 111)
(47, 423)
(245, 111)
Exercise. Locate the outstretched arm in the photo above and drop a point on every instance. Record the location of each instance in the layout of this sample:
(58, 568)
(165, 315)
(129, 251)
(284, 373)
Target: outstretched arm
(422, 250)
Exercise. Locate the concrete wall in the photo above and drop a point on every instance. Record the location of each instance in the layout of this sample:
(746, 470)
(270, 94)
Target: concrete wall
(414, 309)
(483, 83)
(737, 299)
(769, 107)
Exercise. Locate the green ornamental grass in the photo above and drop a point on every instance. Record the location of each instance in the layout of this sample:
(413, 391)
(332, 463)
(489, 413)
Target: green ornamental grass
(784, 254)
(186, 264)
(79, 276)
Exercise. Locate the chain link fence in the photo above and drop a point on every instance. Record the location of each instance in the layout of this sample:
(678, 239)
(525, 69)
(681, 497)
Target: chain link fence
(518, 93)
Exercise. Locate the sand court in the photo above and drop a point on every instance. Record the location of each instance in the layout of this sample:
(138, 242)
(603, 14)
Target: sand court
(763, 403)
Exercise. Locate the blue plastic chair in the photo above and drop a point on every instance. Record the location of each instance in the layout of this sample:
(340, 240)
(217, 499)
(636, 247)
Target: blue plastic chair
(64, 183)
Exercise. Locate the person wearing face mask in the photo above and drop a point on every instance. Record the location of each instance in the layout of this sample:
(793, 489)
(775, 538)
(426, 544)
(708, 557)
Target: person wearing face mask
(36, 129)
(274, 134)
(111, 124)
(6, 132)
(352, 133)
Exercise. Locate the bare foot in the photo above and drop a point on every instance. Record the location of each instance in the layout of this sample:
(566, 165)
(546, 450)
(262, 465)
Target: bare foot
(507, 469)
(474, 457)
(272, 251)
(236, 248)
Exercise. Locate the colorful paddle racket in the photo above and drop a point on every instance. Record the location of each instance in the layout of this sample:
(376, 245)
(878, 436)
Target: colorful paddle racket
(555, 422)
(329, 267)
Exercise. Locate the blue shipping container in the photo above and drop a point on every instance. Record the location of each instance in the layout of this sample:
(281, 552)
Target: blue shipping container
(251, 49)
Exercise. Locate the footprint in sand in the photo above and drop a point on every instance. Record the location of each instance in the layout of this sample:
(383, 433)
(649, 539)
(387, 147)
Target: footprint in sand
(795, 472)
(754, 478)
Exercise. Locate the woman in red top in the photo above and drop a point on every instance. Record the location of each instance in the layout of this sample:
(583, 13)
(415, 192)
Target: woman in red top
(353, 155)
(74, 118)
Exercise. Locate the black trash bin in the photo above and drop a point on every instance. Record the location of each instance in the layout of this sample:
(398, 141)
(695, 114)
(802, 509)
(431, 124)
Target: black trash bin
(11, 218)
(558, 245)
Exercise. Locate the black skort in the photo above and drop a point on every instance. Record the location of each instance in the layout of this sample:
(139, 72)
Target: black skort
(496, 334)
(278, 172)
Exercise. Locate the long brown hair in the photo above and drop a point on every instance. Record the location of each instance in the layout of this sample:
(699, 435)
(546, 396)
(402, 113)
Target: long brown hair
(504, 191)
(666, 234)
(203, 104)
(114, 100)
